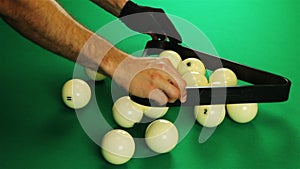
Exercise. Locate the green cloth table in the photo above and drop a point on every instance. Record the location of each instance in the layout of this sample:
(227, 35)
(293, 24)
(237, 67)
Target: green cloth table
(39, 131)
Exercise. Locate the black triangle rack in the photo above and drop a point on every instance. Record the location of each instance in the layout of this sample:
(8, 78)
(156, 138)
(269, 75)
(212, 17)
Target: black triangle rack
(263, 86)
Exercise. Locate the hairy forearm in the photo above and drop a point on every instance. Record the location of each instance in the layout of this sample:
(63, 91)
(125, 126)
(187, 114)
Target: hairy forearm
(45, 23)
(48, 25)
(112, 6)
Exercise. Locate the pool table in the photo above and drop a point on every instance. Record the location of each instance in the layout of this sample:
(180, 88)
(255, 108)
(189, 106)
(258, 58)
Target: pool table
(39, 131)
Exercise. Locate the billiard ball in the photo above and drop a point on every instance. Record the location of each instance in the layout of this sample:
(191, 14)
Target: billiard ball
(242, 113)
(223, 77)
(173, 56)
(191, 65)
(195, 79)
(76, 93)
(210, 115)
(153, 112)
(118, 146)
(161, 136)
(94, 75)
(126, 113)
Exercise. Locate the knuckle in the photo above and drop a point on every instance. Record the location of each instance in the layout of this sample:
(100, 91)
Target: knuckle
(154, 77)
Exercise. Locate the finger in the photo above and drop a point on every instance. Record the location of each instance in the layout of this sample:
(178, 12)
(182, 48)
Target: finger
(158, 96)
(176, 79)
(167, 86)
(181, 86)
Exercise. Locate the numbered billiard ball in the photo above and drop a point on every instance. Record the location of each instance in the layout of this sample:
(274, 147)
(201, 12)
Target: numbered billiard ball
(76, 93)
(210, 115)
(191, 65)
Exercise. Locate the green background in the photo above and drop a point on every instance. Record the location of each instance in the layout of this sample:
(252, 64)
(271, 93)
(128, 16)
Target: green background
(39, 131)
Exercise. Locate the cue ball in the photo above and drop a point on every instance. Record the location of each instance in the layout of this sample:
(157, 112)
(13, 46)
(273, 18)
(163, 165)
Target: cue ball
(126, 113)
(173, 56)
(223, 77)
(76, 93)
(210, 115)
(191, 65)
(117, 146)
(242, 113)
(94, 75)
(161, 136)
(195, 79)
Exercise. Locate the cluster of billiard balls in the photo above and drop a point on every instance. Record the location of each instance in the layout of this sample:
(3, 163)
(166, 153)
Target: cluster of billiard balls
(161, 135)
(193, 71)
(118, 145)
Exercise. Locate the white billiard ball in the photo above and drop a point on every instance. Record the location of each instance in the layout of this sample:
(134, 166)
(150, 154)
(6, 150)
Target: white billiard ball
(161, 136)
(223, 77)
(118, 146)
(210, 115)
(76, 93)
(191, 65)
(126, 113)
(153, 112)
(195, 79)
(94, 75)
(242, 113)
(173, 56)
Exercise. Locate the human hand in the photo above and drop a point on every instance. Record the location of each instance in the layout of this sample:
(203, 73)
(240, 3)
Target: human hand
(149, 20)
(153, 78)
